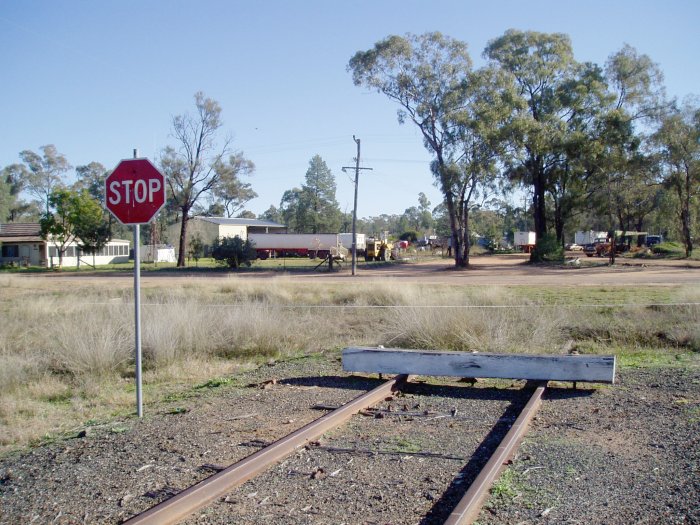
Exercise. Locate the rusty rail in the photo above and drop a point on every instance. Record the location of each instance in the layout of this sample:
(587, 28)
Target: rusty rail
(467, 510)
(178, 507)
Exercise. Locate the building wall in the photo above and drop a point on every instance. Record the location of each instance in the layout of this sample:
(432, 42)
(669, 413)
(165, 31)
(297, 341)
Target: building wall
(35, 253)
(231, 230)
(23, 253)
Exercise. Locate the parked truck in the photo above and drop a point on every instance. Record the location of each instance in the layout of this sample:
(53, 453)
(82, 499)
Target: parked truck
(312, 245)
(346, 240)
(588, 237)
(524, 241)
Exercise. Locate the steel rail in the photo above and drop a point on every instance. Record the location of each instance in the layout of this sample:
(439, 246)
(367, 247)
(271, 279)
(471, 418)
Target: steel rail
(178, 507)
(467, 510)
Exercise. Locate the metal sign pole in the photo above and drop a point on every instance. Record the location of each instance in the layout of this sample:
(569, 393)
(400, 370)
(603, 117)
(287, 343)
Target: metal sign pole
(137, 318)
(137, 312)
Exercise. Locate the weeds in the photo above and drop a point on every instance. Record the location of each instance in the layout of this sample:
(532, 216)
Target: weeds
(66, 356)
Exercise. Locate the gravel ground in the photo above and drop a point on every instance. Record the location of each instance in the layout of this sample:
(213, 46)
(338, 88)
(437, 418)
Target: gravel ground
(628, 453)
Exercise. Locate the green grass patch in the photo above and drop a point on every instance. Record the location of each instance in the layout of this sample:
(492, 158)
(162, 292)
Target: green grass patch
(403, 446)
(658, 359)
(214, 383)
(504, 488)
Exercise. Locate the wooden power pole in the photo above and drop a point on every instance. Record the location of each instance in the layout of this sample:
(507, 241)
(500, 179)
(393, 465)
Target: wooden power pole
(354, 209)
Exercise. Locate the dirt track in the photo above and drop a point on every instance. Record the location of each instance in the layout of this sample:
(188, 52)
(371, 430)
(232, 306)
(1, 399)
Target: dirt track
(484, 270)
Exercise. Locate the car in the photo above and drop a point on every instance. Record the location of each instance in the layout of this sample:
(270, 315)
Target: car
(598, 247)
(573, 247)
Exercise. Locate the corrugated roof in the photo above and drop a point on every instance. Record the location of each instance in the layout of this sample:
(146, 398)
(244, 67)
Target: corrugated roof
(242, 222)
(20, 229)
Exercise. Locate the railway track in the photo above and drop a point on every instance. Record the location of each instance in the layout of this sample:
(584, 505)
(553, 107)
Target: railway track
(456, 498)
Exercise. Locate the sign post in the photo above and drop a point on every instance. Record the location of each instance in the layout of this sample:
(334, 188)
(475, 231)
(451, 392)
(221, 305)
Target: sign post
(134, 194)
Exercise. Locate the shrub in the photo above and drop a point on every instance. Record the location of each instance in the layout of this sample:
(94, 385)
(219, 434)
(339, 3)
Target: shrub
(548, 249)
(234, 251)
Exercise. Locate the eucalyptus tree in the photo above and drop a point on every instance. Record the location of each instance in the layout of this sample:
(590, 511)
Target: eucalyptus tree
(231, 191)
(11, 181)
(626, 174)
(678, 140)
(583, 99)
(490, 104)
(45, 173)
(195, 166)
(290, 210)
(428, 76)
(545, 72)
(91, 177)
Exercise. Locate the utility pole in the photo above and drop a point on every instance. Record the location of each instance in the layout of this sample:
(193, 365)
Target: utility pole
(354, 209)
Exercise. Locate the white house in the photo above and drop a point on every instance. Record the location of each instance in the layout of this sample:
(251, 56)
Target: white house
(21, 244)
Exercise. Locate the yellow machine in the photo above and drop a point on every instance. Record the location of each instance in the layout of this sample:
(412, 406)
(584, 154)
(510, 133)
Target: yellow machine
(378, 250)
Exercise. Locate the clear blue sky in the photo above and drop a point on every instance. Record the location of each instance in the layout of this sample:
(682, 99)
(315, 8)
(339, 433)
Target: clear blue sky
(99, 78)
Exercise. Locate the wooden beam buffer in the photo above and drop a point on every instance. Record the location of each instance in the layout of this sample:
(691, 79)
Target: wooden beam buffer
(583, 368)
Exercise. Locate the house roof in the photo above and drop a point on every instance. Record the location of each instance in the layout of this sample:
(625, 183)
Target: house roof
(21, 229)
(242, 222)
(31, 232)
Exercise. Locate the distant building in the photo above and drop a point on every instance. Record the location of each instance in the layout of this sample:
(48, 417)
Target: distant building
(211, 228)
(21, 245)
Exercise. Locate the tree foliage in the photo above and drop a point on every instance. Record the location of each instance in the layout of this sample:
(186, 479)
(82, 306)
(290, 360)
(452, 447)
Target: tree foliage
(45, 173)
(312, 208)
(71, 217)
(230, 191)
(198, 165)
(678, 140)
(424, 74)
(234, 252)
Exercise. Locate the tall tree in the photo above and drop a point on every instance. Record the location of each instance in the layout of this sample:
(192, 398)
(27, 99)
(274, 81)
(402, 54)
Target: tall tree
(312, 208)
(625, 173)
(678, 140)
(230, 191)
(194, 167)
(320, 212)
(540, 64)
(290, 209)
(45, 173)
(91, 177)
(426, 218)
(11, 181)
(422, 74)
(271, 214)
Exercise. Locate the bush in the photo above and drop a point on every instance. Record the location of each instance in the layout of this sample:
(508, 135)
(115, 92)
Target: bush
(410, 236)
(547, 249)
(234, 251)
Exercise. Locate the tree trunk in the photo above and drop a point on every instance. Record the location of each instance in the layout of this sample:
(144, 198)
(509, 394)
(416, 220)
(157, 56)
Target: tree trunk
(539, 211)
(183, 238)
(559, 222)
(467, 237)
(456, 234)
(685, 226)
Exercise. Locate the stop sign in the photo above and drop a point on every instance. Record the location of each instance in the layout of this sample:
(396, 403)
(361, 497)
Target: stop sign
(135, 191)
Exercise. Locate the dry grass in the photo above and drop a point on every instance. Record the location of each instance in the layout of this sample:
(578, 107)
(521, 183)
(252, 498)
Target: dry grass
(66, 356)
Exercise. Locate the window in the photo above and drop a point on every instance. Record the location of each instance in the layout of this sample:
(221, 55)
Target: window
(10, 250)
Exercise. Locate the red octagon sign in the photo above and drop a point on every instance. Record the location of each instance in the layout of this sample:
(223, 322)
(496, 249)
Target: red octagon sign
(135, 191)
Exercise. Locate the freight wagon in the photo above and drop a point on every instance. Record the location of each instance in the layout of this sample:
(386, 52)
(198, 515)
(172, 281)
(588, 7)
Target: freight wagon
(310, 245)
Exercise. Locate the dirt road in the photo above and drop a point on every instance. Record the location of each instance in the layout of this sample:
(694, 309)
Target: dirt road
(484, 270)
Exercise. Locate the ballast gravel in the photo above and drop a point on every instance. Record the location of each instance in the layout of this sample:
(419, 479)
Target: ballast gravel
(601, 454)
